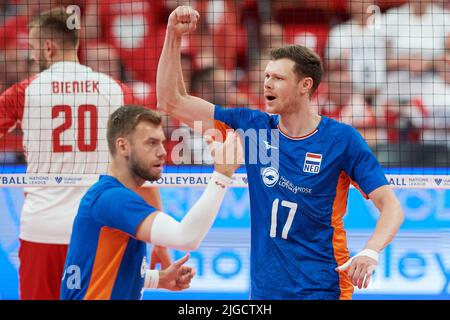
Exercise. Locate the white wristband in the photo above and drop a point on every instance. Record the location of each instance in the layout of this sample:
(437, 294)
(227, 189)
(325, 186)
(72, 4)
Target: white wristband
(369, 253)
(151, 279)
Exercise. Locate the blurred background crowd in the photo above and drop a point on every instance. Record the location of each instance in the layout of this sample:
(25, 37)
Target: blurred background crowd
(387, 62)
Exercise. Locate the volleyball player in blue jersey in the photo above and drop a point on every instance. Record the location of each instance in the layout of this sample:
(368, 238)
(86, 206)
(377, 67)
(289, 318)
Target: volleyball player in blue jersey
(299, 190)
(107, 251)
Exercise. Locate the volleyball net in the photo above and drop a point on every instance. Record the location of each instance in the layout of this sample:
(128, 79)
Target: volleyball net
(386, 63)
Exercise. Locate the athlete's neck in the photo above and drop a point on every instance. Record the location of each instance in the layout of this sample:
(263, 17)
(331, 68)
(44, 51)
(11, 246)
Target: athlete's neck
(361, 19)
(419, 9)
(124, 176)
(66, 58)
(299, 123)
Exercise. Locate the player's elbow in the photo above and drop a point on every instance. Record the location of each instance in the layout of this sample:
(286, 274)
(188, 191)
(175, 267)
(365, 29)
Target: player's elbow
(167, 103)
(393, 210)
(399, 211)
(187, 246)
(192, 244)
(162, 106)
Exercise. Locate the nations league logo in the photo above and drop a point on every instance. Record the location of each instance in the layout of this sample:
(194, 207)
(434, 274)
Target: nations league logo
(270, 176)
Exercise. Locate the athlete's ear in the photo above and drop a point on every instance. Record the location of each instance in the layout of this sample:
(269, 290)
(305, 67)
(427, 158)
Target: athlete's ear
(122, 146)
(49, 48)
(306, 85)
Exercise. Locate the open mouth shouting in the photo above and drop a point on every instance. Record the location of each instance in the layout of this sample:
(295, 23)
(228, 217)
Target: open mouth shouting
(269, 98)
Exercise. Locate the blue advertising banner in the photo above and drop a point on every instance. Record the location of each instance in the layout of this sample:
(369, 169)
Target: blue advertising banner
(416, 265)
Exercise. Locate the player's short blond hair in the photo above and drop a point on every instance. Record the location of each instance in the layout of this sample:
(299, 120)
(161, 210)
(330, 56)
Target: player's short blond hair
(123, 121)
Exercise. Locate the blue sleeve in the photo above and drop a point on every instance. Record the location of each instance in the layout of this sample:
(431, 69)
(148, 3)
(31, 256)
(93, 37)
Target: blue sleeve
(361, 165)
(235, 118)
(122, 209)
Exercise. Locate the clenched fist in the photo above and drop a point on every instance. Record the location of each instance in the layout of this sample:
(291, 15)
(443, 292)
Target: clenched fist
(183, 20)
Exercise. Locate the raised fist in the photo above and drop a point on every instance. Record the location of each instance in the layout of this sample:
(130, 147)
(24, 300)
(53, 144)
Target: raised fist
(183, 20)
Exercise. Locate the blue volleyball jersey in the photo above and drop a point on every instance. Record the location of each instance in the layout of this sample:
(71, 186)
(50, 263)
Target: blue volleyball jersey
(297, 203)
(104, 260)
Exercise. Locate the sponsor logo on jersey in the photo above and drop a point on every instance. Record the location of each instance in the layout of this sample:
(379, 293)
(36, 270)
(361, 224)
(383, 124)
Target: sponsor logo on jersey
(312, 162)
(268, 146)
(270, 176)
(285, 183)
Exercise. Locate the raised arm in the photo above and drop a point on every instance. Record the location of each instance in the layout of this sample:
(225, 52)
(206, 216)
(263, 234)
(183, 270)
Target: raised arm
(170, 89)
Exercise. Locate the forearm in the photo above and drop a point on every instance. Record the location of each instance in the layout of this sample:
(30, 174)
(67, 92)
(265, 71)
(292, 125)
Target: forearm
(169, 79)
(387, 227)
(187, 234)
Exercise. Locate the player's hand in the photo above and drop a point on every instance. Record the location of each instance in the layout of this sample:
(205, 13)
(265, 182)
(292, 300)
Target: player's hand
(177, 276)
(227, 156)
(160, 255)
(359, 270)
(183, 20)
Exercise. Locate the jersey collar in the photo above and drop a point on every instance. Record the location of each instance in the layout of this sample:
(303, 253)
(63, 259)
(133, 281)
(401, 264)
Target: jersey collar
(301, 137)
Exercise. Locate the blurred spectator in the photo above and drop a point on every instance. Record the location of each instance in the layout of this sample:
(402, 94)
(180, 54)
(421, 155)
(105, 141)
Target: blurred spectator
(15, 27)
(252, 82)
(14, 38)
(416, 33)
(220, 37)
(17, 65)
(229, 40)
(336, 99)
(219, 85)
(7, 10)
(103, 58)
(271, 35)
(359, 46)
(331, 5)
(131, 26)
(422, 114)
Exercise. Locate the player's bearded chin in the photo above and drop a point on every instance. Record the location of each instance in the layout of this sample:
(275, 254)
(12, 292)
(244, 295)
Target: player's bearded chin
(139, 170)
